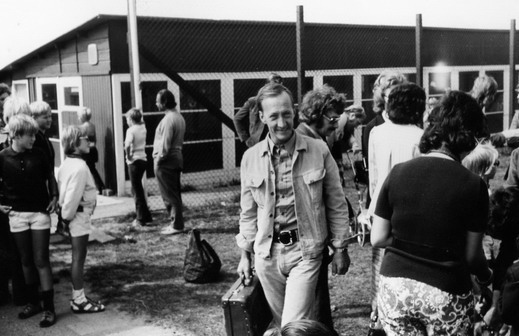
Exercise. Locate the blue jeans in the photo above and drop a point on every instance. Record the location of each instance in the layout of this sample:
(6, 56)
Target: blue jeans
(136, 171)
(289, 283)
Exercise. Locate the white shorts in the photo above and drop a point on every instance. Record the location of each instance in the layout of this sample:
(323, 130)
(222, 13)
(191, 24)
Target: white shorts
(23, 221)
(80, 225)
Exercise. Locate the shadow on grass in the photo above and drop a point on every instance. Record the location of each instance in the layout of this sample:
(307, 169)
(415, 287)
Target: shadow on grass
(159, 291)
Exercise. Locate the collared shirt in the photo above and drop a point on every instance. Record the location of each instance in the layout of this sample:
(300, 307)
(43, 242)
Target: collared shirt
(24, 179)
(319, 202)
(281, 156)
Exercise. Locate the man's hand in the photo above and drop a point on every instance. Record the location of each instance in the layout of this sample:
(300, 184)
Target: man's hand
(52, 205)
(244, 268)
(5, 208)
(341, 262)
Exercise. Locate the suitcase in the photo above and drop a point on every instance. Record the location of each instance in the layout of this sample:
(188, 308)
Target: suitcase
(246, 311)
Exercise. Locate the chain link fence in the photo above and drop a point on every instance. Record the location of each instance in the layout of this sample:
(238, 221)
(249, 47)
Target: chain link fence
(213, 67)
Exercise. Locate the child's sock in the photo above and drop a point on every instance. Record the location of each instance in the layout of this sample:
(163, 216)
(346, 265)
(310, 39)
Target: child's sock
(32, 294)
(78, 296)
(48, 300)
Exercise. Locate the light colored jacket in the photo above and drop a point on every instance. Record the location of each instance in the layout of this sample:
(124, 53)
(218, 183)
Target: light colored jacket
(320, 204)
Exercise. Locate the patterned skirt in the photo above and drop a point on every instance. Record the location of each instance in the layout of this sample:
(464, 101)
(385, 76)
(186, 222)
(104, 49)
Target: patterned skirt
(410, 307)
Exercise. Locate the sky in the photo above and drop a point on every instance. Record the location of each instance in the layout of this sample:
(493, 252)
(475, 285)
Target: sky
(29, 24)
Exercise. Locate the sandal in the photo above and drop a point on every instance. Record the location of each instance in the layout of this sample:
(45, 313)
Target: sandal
(29, 310)
(89, 306)
(48, 319)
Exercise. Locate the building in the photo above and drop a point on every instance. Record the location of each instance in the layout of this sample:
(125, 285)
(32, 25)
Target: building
(214, 66)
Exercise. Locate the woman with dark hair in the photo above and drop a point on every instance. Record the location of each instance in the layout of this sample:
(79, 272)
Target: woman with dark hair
(430, 216)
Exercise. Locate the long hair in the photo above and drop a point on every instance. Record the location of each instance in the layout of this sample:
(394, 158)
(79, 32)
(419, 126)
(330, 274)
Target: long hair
(457, 122)
(316, 102)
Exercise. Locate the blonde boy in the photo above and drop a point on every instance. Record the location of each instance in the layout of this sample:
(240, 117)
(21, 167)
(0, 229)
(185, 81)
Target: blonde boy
(77, 201)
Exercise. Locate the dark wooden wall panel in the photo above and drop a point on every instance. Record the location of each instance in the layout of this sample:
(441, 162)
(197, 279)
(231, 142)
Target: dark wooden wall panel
(97, 95)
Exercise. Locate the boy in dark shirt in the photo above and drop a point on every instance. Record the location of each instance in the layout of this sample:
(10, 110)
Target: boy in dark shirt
(29, 195)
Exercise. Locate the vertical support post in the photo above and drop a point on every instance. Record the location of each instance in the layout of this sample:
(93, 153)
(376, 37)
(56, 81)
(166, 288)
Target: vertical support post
(299, 56)
(418, 50)
(512, 81)
(133, 45)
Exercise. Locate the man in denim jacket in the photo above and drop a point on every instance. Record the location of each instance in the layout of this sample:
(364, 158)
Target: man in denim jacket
(292, 206)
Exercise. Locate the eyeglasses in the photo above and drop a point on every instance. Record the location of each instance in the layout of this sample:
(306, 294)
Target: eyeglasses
(333, 120)
(85, 138)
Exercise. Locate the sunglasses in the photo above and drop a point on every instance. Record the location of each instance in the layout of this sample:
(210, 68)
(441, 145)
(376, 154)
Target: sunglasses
(333, 120)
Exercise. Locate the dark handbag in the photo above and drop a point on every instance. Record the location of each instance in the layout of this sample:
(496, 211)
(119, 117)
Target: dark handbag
(201, 263)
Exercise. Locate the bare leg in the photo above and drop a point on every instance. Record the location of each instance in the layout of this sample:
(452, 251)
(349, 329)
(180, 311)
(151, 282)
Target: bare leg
(79, 252)
(40, 244)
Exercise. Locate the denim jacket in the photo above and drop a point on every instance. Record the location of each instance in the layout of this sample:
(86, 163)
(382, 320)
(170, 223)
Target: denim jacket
(320, 205)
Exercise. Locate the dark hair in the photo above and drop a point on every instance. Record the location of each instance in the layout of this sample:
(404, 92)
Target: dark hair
(4, 88)
(406, 104)
(271, 90)
(504, 213)
(167, 99)
(317, 102)
(305, 328)
(274, 78)
(457, 122)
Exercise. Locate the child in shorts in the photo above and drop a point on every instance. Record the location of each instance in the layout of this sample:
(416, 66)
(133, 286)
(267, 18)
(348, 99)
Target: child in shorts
(77, 201)
(29, 194)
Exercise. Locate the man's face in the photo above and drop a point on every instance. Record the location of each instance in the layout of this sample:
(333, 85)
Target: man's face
(330, 122)
(278, 114)
(157, 102)
(44, 121)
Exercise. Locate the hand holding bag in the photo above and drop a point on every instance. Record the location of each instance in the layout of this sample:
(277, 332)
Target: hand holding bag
(201, 263)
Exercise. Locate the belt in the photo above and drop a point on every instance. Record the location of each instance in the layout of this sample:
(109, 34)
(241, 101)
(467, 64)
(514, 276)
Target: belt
(286, 238)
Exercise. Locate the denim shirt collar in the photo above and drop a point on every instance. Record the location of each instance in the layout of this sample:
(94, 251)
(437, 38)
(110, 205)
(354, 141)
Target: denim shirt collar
(295, 144)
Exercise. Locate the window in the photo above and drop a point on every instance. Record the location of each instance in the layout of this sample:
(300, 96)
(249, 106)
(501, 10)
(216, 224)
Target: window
(367, 95)
(466, 80)
(203, 138)
(341, 84)
(497, 105)
(439, 83)
(20, 89)
(71, 94)
(50, 95)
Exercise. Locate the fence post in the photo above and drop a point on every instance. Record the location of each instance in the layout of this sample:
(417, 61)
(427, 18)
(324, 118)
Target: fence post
(418, 50)
(299, 56)
(512, 81)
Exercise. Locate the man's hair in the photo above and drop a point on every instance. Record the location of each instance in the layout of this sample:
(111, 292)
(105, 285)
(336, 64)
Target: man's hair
(481, 159)
(13, 106)
(274, 78)
(135, 115)
(385, 80)
(457, 121)
(167, 99)
(22, 124)
(39, 108)
(406, 104)
(358, 110)
(84, 114)
(316, 102)
(71, 138)
(4, 88)
(271, 90)
(484, 90)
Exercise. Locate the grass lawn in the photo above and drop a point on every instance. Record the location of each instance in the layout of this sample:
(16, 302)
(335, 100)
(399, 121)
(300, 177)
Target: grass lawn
(144, 277)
